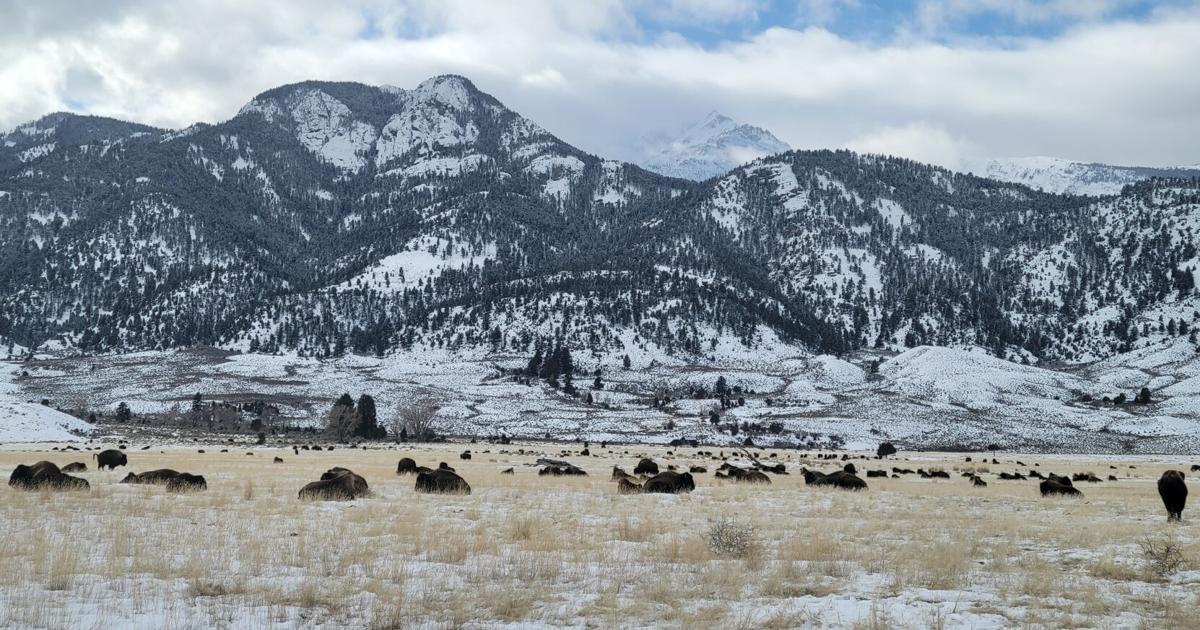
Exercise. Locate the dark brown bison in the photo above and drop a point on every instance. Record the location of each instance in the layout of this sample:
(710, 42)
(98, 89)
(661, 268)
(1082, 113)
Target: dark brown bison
(508, 471)
(442, 481)
(44, 476)
(669, 482)
(1050, 487)
(560, 470)
(1173, 491)
(838, 479)
(187, 482)
(877, 473)
(110, 459)
(75, 467)
(978, 482)
(406, 466)
(465, 455)
(646, 467)
(445, 466)
(697, 470)
(278, 460)
(850, 469)
(337, 484)
(156, 477)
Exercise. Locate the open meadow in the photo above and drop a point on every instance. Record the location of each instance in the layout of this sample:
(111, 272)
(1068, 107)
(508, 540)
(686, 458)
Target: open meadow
(524, 550)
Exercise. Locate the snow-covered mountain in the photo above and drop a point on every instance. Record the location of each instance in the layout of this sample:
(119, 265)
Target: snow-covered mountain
(1057, 175)
(708, 148)
(328, 218)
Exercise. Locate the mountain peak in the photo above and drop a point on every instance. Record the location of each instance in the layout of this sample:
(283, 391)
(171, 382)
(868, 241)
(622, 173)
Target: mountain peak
(714, 145)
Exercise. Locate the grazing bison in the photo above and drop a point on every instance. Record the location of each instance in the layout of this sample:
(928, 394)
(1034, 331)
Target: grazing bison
(442, 481)
(669, 482)
(646, 467)
(44, 476)
(278, 460)
(1174, 494)
(1054, 486)
(840, 479)
(75, 467)
(877, 473)
(337, 484)
(187, 482)
(406, 466)
(155, 477)
(110, 459)
(465, 455)
(697, 470)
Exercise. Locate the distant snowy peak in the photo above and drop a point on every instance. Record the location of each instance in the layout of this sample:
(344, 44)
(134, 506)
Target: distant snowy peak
(1057, 175)
(709, 148)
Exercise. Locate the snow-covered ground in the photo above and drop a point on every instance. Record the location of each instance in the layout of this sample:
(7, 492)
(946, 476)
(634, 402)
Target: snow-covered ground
(926, 397)
(25, 421)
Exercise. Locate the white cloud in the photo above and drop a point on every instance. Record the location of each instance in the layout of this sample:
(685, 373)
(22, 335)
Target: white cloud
(919, 141)
(1115, 92)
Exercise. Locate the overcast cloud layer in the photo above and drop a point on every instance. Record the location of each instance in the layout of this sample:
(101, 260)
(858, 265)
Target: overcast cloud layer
(1086, 82)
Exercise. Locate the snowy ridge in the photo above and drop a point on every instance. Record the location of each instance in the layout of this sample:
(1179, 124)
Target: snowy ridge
(1061, 176)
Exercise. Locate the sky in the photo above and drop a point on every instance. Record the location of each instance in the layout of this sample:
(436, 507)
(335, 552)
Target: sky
(942, 81)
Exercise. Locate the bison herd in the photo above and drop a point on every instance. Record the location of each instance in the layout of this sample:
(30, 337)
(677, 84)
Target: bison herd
(342, 484)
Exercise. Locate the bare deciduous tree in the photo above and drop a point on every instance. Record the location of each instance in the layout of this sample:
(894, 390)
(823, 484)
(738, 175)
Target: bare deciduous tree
(416, 419)
(340, 421)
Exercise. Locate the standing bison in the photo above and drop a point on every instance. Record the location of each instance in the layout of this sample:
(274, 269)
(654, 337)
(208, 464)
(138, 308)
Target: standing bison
(1174, 494)
(110, 459)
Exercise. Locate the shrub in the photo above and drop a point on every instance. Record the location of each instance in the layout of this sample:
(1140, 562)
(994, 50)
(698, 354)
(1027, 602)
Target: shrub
(729, 538)
(1163, 558)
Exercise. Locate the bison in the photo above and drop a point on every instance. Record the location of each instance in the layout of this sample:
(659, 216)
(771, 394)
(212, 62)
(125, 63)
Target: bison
(406, 466)
(44, 476)
(559, 470)
(838, 479)
(442, 481)
(646, 467)
(75, 467)
(1050, 487)
(337, 484)
(110, 459)
(187, 482)
(669, 482)
(155, 477)
(1174, 493)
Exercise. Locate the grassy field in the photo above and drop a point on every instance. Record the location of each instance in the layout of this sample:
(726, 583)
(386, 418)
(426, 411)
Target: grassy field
(530, 551)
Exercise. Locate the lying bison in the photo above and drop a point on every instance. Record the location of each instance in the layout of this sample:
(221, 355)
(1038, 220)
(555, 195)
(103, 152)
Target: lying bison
(669, 482)
(337, 484)
(626, 486)
(44, 476)
(110, 459)
(408, 466)
(562, 469)
(161, 476)
(646, 467)
(741, 475)
(1056, 485)
(1174, 492)
(187, 482)
(75, 467)
(442, 481)
(838, 479)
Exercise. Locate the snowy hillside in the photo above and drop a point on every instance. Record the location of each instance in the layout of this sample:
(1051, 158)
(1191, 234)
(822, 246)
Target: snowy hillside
(22, 421)
(1057, 175)
(709, 148)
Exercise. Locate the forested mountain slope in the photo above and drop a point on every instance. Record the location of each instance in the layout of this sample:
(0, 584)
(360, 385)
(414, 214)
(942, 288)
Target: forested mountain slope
(336, 217)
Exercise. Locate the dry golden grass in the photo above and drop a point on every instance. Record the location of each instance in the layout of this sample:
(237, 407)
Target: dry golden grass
(569, 551)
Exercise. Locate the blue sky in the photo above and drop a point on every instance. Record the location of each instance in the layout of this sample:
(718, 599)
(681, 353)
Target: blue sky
(941, 81)
(946, 22)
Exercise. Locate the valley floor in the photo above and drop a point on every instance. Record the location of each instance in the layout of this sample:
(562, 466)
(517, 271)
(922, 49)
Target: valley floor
(550, 552)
